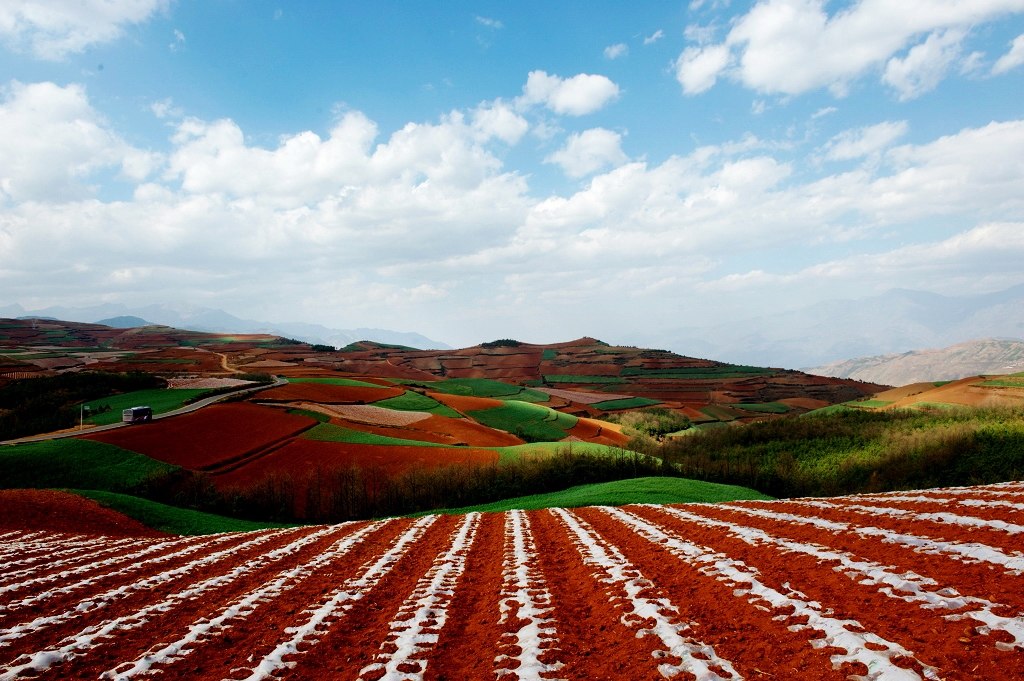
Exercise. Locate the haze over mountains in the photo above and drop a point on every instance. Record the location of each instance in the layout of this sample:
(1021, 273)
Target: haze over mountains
(973, 358)
(196, 318)
(896, 321)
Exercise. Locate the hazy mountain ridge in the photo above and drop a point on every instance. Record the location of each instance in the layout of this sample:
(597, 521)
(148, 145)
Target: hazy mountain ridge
(973, 358)
(211, 320)
(894, 322)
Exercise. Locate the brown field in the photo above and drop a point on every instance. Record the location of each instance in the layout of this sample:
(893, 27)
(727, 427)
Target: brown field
(55, 511)
(209, 437)
(328, 394)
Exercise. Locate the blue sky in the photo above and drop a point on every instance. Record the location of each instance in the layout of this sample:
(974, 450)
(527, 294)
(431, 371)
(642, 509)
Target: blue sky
(533, 170)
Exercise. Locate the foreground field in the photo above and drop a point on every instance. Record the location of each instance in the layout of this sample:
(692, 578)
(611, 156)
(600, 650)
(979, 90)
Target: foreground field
(898, 586)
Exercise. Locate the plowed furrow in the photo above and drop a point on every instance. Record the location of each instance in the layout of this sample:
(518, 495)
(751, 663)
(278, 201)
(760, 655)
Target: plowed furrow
(781, 519)
(345, 625)
(128, 596)
(964, 540)
(209, 584)
(848, 647)
(414, 629)
(883, 600)
(214, 623)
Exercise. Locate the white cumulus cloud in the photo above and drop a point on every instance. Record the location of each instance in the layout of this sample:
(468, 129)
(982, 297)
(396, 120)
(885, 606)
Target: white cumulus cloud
(576, 96)
(52, 141)
(862, 142)
(589, 151)
(615, 51)
(53, 29)
(1012, 59)
(924, 66)
(794, 46)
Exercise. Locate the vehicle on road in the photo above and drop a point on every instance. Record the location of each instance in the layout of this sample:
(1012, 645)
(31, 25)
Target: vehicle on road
(137, 415)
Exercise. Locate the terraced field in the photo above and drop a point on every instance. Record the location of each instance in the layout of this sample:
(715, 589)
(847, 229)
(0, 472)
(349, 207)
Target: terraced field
(927, 584)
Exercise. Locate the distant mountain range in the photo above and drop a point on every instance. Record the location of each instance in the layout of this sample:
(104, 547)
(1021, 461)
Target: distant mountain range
(219, 321)
(897, 321)
(973, 358)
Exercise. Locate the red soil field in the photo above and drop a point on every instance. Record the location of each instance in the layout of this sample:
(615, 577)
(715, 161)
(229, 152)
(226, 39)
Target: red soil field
(208, 437)
(328, 394)
(783, 590)
(464, 403)
(53, 511)
(299, 460)
(591, 430)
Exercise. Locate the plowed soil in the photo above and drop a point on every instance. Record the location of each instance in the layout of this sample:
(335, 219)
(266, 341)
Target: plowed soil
(53, 511)
(210, 436)
(749, 590)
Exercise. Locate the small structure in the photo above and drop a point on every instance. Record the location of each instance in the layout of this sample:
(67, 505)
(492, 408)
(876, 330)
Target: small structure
(137, 415)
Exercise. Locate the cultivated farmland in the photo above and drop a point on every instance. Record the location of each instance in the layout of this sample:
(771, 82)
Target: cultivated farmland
(904, 585)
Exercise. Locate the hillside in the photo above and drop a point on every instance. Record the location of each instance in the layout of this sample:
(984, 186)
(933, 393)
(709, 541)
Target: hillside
(973, 358)
(586, 376)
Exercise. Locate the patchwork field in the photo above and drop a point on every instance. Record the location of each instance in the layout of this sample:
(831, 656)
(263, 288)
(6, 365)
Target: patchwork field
(911, 585)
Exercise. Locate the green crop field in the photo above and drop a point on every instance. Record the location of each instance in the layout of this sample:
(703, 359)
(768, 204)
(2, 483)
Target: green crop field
(162, 400)
(728, 371)
(869, 404)
(626, 403)
(548, 354)
(328, 432)
(1008, 382)
(171, 519)
(763, 407)
(528, 421)
(81, 464)
(414, 401)
(485, 387)
(569, 378)
(621, 492)
(515, 453)
(718, 412)
(330, 380)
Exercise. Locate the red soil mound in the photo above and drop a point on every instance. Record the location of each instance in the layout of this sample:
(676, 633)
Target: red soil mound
(53, 511)
(328, 394)
(466, 431)
(592, 430)
(209, 436)
(464, 403)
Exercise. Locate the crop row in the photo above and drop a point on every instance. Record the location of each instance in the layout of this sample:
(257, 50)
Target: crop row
(916, 585)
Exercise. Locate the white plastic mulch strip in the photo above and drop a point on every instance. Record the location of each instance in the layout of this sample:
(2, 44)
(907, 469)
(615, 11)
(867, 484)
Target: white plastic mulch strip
(948, 518)
(858, 646)
(96, 635)
(102, 600)
(984, 503)
(924, 497)
(422, 616)
(128, 564)
(339, 602)
(525, 598)
(612, 567)
(59, 558)
(241, 609)
(965, 551)
(907, 586)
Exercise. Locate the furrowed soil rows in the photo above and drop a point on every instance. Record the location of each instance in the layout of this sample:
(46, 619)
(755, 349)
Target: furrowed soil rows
(910, 585)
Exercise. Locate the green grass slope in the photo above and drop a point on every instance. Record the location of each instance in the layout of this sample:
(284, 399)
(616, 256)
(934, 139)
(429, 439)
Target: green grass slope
(172, 519)
(531, 422)
(620, 492)
(76, 464)
(161, 400)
